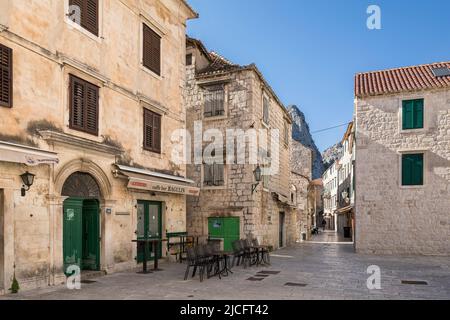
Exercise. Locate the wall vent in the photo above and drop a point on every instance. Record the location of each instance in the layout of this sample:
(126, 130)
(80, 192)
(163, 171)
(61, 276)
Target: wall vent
(441, 72)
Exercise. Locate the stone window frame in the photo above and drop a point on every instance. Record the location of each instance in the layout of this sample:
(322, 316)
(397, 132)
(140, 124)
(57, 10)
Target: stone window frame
(159, 30)
(269, 100)
(82, 30)
(226, 90)
(400, 114)
(425, 153)
(225, 178)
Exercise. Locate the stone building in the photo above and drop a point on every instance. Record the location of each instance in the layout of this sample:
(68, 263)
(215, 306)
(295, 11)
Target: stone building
(339, 195)
(344, 214)
(221, 95)
(90, 92)
(330, 191)
(301, 177)
(403, 160)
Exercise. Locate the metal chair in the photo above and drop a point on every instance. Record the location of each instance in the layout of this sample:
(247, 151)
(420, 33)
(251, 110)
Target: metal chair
(193, 261)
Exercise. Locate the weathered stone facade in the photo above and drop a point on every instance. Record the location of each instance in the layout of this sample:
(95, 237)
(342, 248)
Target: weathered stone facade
(301, 176)
(244, 88)
(47, 48)
(391, 218)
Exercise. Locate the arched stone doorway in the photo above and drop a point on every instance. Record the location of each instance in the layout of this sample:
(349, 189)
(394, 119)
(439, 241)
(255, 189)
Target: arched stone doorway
(81, 222)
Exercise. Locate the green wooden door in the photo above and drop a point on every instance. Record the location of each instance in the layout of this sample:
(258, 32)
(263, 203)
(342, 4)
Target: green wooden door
(149, 225)
(226, 228)
(91, 235)
(72, 232)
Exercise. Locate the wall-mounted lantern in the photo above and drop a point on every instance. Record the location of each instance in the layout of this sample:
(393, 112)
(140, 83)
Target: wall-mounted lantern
(28, 180)
(257, 175)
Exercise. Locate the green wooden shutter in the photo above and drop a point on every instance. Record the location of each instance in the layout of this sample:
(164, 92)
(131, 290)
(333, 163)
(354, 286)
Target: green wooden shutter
(418, 114)
(412, 169)
(408, 107)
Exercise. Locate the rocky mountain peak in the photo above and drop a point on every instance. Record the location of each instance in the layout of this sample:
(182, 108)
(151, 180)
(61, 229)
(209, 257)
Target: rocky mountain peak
(301, 133)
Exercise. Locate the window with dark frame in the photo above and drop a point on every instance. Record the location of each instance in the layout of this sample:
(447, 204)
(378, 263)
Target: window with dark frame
(286, 133)
(214, 101)
(89, 10)
(412, 169)
(214, 175)
(151, 50)
(6, 76)
(189, 59)
(152, 131)
(84, 105)
(413, 112)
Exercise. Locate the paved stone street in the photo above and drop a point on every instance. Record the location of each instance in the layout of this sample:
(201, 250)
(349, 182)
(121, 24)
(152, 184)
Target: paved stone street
(329, 271)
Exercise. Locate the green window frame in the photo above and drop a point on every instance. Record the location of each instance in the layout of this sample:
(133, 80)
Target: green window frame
(413, 112)
(413, 169)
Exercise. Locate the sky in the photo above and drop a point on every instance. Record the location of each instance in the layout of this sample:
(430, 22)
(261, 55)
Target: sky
(309, 51)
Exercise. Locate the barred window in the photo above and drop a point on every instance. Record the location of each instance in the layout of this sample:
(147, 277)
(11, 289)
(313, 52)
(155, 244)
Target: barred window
(213, 175)
(214, 101)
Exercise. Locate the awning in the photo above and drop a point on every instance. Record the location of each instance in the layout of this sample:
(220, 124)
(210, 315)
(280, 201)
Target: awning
(17, 153)
(140, 179)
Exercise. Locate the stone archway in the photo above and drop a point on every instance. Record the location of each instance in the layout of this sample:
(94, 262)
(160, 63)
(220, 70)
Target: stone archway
(81, 185)
(81, 178)
(87, 167)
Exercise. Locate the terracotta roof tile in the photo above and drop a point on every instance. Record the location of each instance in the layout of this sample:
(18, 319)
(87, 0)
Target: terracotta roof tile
(398, 80)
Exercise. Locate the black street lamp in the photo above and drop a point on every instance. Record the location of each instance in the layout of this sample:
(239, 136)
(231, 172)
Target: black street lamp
(257, 175)
(27, 179)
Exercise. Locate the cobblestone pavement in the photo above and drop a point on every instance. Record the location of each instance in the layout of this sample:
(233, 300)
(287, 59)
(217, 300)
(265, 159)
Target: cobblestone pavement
(328, 271)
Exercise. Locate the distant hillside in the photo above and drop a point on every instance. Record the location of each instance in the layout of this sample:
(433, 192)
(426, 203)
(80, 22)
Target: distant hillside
(301, 133)
(332, 154)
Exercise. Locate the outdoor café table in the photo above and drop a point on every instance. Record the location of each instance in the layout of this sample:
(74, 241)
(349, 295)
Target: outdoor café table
(225, 271)
(155, 245)
(144, 264)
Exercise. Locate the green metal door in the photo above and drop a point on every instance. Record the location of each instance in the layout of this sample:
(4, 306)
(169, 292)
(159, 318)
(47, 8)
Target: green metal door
(91, 235)
(226, 228)
(149, 225)
(72, 232)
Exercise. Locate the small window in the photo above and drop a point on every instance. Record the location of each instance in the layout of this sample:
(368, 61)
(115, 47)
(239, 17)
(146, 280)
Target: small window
(152, 131)
(189, 59)
(6, 79)
(413, 114)
(412, 169)
(214, 102)
(151, 50)
(89, 11)
(84, 106)
(213, 175)
(266, 106)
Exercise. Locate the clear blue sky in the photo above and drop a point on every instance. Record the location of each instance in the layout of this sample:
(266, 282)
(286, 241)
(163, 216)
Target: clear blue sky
(310, 50)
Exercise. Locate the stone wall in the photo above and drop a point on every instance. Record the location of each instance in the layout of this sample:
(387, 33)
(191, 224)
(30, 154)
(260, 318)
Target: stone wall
(391, 219)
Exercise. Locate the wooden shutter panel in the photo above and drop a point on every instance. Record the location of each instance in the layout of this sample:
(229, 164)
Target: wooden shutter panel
(219, 174)
(89, 14)
(207, 174)
(91, 108)
(408, 109)
(148, 130)
(152, 50)
(417, 173)
(157, 133)
(6, 79)
(418, 114)
(77, 98)
(208, 105)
